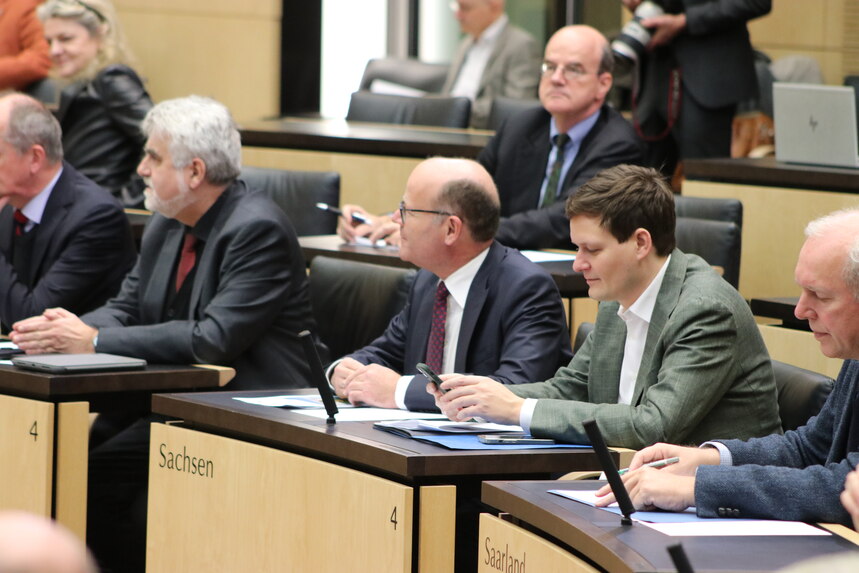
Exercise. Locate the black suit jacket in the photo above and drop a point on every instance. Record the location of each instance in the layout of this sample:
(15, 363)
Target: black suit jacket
(714, 52)
(513, 327)
(516, 157)
(249, 297)
(83, 249)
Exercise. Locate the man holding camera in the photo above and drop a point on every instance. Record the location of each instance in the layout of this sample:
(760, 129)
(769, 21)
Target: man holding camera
(692, 73)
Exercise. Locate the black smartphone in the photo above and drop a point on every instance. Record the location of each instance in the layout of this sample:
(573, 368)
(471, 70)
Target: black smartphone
(8, 353)
(429, 375)
(512, 439)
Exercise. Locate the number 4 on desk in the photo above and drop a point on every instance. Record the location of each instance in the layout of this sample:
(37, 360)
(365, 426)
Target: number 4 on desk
(394, 517)
(34, 430)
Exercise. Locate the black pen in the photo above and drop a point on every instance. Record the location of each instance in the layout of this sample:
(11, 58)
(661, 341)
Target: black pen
(356, 217)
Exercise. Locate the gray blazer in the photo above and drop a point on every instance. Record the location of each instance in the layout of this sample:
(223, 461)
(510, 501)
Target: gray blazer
(798, 476)
(705, 372)
(513, 71)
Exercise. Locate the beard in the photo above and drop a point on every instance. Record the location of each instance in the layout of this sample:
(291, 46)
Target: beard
(168, 207)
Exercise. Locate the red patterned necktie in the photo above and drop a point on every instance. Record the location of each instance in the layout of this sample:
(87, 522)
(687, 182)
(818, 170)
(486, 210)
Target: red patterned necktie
(186, 262)
(21, 221)
(435, 346)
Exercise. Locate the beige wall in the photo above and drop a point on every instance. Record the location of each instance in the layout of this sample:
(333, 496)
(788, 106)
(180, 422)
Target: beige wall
(225, 49)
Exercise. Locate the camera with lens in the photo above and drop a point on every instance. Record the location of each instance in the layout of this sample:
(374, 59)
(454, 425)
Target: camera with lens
(630, 44)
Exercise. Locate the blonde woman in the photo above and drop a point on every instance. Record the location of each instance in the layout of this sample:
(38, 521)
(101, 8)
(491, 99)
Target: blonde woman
(103, 99)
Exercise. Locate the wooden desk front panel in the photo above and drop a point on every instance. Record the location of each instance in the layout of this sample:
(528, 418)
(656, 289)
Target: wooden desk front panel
(27, 451)
(774, 221)
(506, 547)
(245, 507)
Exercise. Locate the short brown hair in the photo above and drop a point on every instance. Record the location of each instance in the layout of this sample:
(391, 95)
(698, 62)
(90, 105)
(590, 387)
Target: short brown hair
(626, 198)
(474, 204)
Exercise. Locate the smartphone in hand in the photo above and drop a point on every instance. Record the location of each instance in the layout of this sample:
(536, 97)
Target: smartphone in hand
(430, 375)
(512, 439)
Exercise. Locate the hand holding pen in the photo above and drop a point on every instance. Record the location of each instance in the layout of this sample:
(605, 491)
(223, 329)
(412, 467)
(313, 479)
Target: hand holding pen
(657, 464)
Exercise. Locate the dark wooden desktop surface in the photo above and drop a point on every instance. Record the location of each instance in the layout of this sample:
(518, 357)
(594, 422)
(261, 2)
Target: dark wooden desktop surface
(766, 171)
(358, 444)
(570, 283)
(600, 537)
(340, 136)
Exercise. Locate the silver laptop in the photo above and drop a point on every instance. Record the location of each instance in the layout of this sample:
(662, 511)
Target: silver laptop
(69, 363)
(815, 124)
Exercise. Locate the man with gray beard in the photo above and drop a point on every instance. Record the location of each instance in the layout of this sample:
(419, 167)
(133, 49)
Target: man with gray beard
(220, 280)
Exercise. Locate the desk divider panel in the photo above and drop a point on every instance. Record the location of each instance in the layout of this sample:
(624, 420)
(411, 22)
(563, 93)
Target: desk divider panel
(507, 547)
(798, 348)
(219, 504)
(70, 495)
(437, 529)
(27, 451)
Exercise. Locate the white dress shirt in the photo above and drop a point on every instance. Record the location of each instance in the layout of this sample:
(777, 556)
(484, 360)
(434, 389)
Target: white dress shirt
(637, 319)
(458, 284)
(35, 207)
(467, 82)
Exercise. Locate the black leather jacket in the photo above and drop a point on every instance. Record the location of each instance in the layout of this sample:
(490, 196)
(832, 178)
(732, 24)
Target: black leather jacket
(101, 129)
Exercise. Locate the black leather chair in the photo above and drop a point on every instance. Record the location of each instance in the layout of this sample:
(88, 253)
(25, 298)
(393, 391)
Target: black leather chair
(353, 302)
(801, 393)
(853, 81)
(717, 242)
(504, 107)
(297, 192)
(584, 329)
(407, 72)
(439, 111)
(709, 208)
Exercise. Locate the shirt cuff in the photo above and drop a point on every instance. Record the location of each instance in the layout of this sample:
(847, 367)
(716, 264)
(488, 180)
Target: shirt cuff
(330, 370)
(400, 392)
(526, 413)
(725, 457)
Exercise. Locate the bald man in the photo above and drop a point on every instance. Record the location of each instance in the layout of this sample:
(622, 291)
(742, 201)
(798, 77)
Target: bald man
(34, 544)
(500, 315)
(540, 156)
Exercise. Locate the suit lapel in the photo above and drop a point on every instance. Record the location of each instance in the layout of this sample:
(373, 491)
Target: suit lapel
(584, 149)
(497, 49)
(420, 321)
(161, 274)
(607, 356)
(535, 151)
(666, 301)
(474, 304)
(53, 217)
(7, 226)
(456, 65)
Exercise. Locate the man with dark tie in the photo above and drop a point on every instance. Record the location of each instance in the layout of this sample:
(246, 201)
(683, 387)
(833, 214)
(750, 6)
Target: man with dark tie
(800, 475)
(220, 280)
(540, 156)
(475, 306)
(64, 241)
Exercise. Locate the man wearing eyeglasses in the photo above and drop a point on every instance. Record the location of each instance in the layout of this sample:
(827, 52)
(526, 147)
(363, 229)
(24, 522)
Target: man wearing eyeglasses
(495, 59)
(541, 155)
(475, 306)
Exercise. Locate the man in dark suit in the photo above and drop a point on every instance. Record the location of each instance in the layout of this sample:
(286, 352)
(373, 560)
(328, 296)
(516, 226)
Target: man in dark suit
(495, 59)
(503, 314)
(674, 352)
(64, 241)
(800, 475)
(220, 280)
(539, 157)
(704, 46)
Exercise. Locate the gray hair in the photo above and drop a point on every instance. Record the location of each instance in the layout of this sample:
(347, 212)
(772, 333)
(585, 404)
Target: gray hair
(197, 126)
(99, 18)
(840, 219)
(30, 123)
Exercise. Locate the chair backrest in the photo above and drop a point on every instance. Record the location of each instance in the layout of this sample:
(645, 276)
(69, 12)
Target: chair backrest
(504, 107)
(717, 242)
(407, 72)
(439, 111)
(801, 393)
(709, 208)
(853, 81)
(353, 302)
(297, 192)
(584, 329)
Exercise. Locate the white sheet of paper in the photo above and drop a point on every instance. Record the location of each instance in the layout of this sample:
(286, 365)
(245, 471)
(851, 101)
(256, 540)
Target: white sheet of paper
(293, 401)
(544, 257)
(380, 86)
(372, 415)
(736, 527)
(446, 425)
